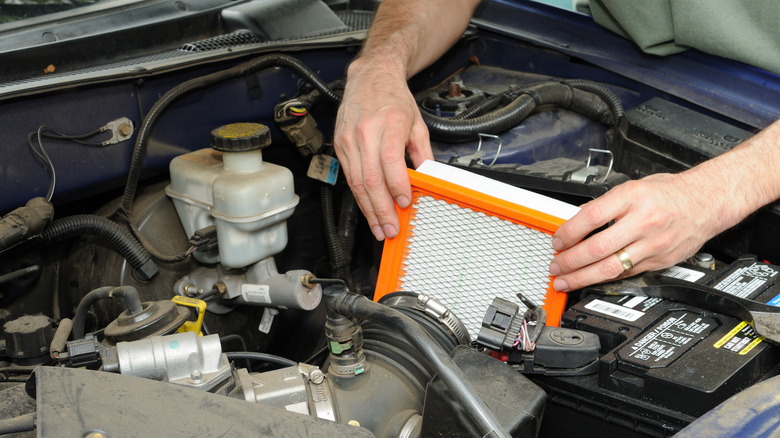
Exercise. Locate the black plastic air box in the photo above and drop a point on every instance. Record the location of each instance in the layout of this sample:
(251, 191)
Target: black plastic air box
(517, 403)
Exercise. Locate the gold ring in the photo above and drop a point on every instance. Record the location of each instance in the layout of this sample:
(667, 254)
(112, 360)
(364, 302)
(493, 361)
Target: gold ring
(622, 255)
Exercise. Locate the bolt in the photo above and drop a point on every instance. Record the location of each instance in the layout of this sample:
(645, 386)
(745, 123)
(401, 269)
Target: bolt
(95, 435)
(192, 290)
(196, 376)
(316, 377)
(353, 423)
(454, 90)
(125, 129)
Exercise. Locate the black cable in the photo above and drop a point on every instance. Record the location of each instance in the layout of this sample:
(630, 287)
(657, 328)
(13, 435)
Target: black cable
(357, 306)
(241, 342)
(43, 156)
(22, 423)
(265, 357)
(156, 254)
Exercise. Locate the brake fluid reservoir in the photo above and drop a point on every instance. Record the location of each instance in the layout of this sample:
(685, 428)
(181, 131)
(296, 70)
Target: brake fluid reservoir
(231, 187)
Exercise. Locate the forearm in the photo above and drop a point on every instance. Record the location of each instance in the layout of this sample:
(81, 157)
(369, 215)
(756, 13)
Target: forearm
(408, 35)
(740, 181)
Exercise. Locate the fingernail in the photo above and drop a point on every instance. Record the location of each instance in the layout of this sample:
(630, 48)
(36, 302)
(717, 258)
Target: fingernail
(389, 230)
(560, 285)
(557, 243)
(555, 269)
(377, 231)
(402, 201)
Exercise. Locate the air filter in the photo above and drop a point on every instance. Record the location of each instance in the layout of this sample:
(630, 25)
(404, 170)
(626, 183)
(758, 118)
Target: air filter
(466, 248)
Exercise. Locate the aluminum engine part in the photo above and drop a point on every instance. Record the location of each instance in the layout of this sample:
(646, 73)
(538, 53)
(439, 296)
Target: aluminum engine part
(183, 358)
(260, 285)
(289, 388)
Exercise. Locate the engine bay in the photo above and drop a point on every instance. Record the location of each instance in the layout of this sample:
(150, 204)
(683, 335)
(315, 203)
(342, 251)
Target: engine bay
(180, 256)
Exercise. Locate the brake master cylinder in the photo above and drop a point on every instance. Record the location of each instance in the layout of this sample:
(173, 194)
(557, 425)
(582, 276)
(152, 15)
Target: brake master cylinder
(231, 187)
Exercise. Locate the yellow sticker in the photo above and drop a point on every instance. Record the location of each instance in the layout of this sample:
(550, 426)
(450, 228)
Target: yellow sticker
(752, 345)
(730, 334)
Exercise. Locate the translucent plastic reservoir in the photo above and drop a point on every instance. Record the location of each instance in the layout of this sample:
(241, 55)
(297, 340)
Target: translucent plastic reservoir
(247, 199)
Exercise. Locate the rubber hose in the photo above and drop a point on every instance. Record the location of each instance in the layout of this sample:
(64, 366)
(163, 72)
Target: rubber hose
(335, 251)
(358, 306)
(249, 67)
(60, 338)
(530, 98)
(265, 357)
(129, 293)
(493, 101)
(118, 238)
(608, 96)
(22, 423)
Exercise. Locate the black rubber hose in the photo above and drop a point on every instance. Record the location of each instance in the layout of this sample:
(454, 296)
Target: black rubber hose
(335, 251)
(608, 96)
(265, 357)
(444, 129)
(22, 423)
(358, 306)
(246, 68)
(529, 99)
(118, 238)
(129, 293)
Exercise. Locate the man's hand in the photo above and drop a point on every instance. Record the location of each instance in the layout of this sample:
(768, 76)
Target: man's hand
(377, 122)
(659, 221)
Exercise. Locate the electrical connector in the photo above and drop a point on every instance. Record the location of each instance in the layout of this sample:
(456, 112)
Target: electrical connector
(205, 239)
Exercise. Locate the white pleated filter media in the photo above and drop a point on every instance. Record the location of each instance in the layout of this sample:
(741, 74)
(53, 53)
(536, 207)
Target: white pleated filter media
(465, 258)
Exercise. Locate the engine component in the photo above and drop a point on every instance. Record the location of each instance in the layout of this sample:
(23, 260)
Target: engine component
(426, 355)
(68, 399)
(27, 339)
(259, 285)
(294, 119)
(516, 401)
(233, 188)
(553, 350)
(182, 358)
(155, 318)
(25, 222)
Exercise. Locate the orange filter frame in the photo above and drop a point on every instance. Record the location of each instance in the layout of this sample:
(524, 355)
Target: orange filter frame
(397, 251)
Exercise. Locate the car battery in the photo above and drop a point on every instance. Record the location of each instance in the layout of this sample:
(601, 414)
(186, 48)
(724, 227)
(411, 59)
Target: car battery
(664, 363)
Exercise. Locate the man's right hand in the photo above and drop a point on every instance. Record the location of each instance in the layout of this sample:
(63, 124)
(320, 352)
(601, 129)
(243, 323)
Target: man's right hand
(377, 122)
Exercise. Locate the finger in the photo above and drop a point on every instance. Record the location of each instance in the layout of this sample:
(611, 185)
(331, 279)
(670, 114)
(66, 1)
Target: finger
(347, 143)
(606, 269)
(592, 216)
(595, 248)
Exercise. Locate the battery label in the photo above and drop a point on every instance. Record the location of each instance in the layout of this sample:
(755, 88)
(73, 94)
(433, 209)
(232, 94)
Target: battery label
(744, 282)
(741, 339)
(643, 304)
(614, 310)
(669, 339)
(683, 273)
